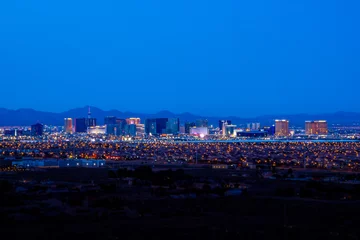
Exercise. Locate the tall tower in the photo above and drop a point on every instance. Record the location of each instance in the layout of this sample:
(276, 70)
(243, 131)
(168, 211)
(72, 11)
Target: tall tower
(89, 113)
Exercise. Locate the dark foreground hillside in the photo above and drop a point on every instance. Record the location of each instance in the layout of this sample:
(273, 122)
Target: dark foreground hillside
(221, 218)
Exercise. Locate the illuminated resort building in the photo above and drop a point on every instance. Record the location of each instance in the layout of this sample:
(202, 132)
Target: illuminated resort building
(319, 127)
(135, 121)
(68, 125)
(282, 128)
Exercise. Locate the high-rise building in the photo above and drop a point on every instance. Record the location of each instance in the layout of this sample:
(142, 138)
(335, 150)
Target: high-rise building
(157, 126)
(120, 127)
(161, 125)
(110, 124)
(202, 123)
(133, 121)
(131, 130)
(37, 129)
(172, 126)
(80, 125)
(319, 127)
(189, 125)
(282, 128)
(68, 125)
(150, 126)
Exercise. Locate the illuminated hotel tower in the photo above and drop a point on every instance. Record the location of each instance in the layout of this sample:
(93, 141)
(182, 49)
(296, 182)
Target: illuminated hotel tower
(68, 126)
(282, 128)
(319, 127)
(135, 121)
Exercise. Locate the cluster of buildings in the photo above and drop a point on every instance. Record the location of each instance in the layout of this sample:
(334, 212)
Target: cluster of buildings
(279, 129)
(112, 126)
(132, 127)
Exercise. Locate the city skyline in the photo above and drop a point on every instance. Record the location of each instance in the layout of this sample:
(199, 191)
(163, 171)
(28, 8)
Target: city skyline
(31, 116)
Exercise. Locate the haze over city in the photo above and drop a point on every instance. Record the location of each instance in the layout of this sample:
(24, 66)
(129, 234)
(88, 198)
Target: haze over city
(204, 57)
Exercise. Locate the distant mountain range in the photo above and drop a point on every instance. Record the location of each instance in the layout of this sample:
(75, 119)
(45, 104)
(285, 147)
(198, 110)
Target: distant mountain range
(26, 117)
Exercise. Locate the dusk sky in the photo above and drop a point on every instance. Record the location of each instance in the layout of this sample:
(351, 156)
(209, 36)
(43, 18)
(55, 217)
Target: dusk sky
(243, 58)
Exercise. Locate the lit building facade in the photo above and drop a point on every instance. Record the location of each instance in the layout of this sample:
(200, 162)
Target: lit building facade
(282, 128)
(199, 131)
(133, 121)
(68, 125)
(319, 127)
(97, 130)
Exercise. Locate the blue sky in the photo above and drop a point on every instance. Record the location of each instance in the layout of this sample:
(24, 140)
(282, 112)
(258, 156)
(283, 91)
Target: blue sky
(243, 58)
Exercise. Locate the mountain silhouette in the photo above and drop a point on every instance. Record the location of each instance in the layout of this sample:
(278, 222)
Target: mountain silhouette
(26, 117)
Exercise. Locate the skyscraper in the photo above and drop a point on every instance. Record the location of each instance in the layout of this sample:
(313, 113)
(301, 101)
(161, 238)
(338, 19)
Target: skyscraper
(282, 128)
(80, 125)
(131, 130)
(68, 125)
(120, 127)
(173, 126)
(110, 124)
(37, 129)
(150, 126)
(161, 125)
(319, 127)
(157, 126)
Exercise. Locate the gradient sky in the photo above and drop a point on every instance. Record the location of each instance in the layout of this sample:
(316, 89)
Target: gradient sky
(243, 58)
